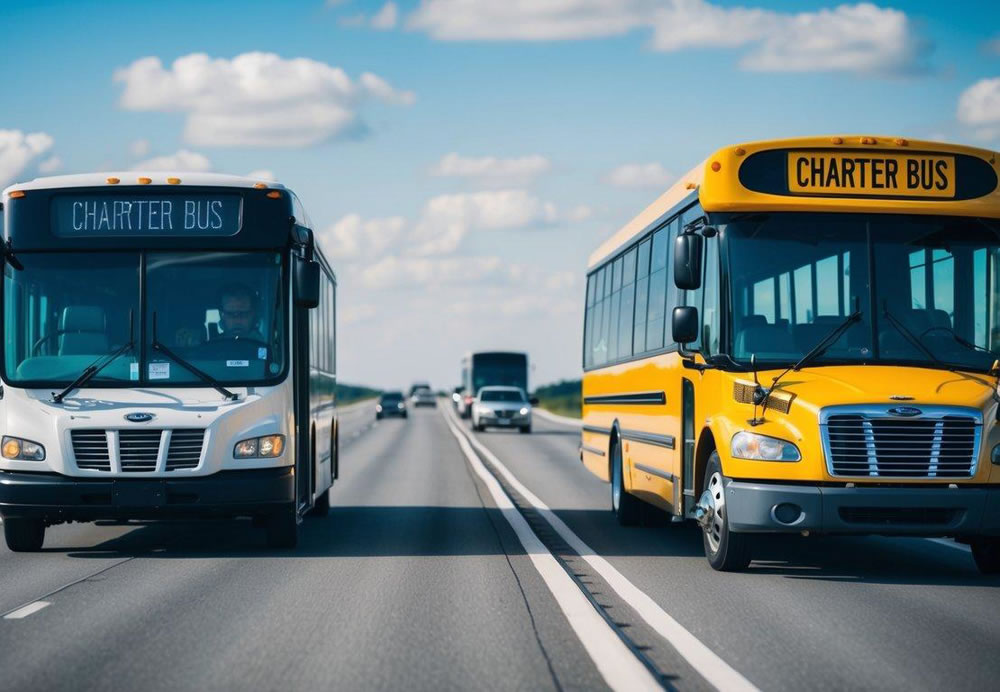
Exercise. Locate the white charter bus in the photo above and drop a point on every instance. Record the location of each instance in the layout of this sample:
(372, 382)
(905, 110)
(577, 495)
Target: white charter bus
(168, 352)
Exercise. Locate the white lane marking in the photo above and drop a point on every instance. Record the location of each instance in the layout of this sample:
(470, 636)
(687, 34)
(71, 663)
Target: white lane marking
(554, 418)
(619, 667)
(705, 661)
(951, 544)
(27, 610)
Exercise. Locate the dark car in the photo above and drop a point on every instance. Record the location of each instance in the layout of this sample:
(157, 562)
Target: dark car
(390, 404)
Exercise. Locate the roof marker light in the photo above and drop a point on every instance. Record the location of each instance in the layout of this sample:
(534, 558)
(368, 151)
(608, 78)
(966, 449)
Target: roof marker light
(716, 166)
(740, 151)
(16, 194)
(112, 181)
(902, 142)
(145, 181)
(691, 186)
(174, 181)
(837, 140)
(869, 140)
(274, 194)
(259, 186)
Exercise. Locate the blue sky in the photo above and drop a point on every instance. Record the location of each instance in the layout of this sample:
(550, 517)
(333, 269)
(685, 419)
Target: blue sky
(563, 120)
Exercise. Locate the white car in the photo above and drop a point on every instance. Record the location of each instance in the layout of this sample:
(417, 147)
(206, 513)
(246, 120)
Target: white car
(501, 407)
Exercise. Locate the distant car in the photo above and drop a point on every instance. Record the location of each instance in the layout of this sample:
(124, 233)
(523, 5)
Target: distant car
(501, 407)
(418, 385)
(390, 404)
(423, 396)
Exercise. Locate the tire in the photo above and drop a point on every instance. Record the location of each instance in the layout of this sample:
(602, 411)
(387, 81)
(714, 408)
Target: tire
(626, 507)
(986, 553)
(283, 529)
(378, 416)
(321, 507)
(725, 550)
(24, 535)
(525, 429)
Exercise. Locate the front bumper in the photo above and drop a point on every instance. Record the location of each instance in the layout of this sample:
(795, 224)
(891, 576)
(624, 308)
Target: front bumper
(938, 511)
(55, 498)
(504, 422)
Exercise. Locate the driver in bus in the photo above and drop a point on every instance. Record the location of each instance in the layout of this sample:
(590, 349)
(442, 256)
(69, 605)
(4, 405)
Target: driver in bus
(238, 318)
(239, 313)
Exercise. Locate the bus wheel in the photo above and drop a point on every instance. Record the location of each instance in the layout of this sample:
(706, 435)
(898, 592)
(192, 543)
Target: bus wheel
(726, 551)
(283, 528)
(985, 551)
(322, 505)
(24, 535)
(627, 507)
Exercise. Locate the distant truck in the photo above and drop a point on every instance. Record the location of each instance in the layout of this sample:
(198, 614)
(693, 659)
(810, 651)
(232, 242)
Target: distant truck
(490, 368)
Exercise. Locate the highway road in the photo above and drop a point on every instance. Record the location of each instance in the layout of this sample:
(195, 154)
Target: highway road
(453, 560)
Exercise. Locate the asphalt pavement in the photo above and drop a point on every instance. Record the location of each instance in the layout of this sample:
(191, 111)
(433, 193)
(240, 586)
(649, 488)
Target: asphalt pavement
(453, 560)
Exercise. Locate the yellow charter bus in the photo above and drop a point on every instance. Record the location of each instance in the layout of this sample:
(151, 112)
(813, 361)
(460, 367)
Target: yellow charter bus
(801, 336)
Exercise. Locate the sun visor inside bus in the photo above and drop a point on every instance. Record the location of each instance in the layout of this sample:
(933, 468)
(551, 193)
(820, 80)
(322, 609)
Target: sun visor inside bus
(869, 174)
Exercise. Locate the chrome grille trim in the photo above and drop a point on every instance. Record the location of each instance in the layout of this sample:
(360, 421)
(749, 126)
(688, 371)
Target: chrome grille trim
(868, 441)
(137, 451)
(184, 450)
(91, 449)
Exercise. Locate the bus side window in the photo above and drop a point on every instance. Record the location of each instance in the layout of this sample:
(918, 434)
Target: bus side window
(588, 322)
(641, 297)
(710, 303)
(657, 289)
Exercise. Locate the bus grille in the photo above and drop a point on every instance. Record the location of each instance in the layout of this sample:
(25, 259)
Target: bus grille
(886, 446)
(90, 447)
(185, 448)
(138, 450)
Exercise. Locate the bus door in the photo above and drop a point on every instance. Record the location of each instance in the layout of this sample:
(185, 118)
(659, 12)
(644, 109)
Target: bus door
(301, 372)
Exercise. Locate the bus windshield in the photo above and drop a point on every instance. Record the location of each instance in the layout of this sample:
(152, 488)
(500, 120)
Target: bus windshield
(221, 312)
(926, 288)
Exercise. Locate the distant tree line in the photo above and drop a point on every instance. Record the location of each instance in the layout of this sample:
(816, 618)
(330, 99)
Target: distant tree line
(564, 397)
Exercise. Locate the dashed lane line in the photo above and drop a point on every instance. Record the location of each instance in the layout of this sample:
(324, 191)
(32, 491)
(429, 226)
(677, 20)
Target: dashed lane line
(706, 662)
(616, 664)
(25, 611)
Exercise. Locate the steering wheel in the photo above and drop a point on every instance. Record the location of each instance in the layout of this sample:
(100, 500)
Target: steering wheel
(60, 332)
(242, 344)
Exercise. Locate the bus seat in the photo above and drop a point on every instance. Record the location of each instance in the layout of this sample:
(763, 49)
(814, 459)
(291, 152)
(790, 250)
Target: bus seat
(85, 330)
(752, 321)
(940, 318)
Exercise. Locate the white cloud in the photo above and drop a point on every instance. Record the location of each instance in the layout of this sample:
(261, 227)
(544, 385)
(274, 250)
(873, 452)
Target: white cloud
(352, 237)
(424, 272)
(491, 169)
(386, 17)
(139, 147)
(254, 99)
(356, 312)
(640, 175)
(446, 219)
(262, 174)
(979, 105)
(858, 38)
(51, 164)
(182, 160)
(579, 213)
(18, 149)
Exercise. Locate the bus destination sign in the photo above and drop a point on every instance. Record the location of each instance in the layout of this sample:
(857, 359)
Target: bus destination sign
(139, 215)
(871, 174)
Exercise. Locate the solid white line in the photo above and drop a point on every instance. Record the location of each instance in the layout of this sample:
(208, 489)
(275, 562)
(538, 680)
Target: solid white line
(951, 544)
(619, 667)
(555, 418)
(27, 610)
(708, 664)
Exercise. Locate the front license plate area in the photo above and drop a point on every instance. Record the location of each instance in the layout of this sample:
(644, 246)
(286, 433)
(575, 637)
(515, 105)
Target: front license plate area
(139, 494)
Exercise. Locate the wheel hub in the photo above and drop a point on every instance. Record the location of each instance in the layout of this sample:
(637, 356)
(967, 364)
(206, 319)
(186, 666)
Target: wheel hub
(710, 512)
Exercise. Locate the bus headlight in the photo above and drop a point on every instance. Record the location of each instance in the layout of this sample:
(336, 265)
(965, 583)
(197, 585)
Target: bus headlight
(748, 445)
(266, 447)
(24, 450)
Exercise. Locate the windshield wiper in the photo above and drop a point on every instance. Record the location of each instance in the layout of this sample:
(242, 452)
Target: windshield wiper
(104, 361)
(10, 258)
(961, 341)
(762, 394)
(909, 336)
(203, 376)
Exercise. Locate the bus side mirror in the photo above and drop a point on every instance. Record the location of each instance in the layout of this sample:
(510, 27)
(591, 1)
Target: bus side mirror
(685, 324)
(688, 250)
(305, 282)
